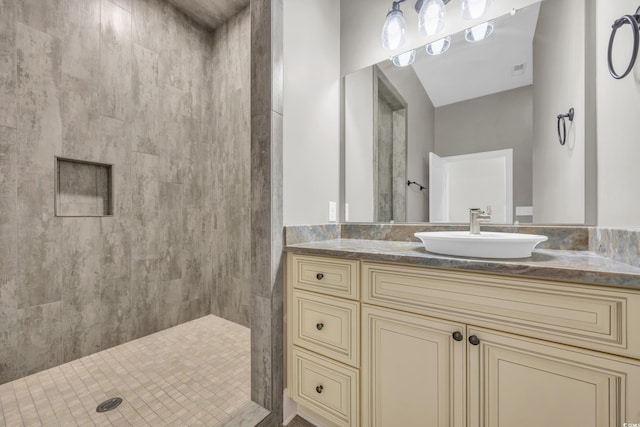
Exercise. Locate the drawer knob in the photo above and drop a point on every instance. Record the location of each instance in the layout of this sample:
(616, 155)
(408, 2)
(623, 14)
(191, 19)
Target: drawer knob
(457, 335)
(319, 389)
(474, 340)
(319, 276)
(319, 326)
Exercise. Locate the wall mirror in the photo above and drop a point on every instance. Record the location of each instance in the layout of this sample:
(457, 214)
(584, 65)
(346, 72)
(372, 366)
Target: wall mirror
(477, 126)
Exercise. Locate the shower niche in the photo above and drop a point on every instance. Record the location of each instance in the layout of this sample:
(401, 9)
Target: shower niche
(83, 188)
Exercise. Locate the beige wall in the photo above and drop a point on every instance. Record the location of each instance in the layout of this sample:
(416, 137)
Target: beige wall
(492, 122)
(559, 171)
(618, 114)
(311, 109)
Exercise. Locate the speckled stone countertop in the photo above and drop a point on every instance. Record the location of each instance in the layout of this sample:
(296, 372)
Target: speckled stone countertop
(564, 265)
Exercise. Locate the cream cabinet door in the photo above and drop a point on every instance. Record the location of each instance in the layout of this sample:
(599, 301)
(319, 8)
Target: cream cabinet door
(518, 381)
(412, 370)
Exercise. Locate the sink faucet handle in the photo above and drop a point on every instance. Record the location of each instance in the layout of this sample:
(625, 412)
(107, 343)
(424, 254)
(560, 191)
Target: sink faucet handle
(476, 216)
(479, 213)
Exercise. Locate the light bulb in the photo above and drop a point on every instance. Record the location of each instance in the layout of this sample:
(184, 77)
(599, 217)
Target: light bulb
(479, 32)
(404, 59)
(439, 46)
(431, 17)
(473, 9)
(394, 29)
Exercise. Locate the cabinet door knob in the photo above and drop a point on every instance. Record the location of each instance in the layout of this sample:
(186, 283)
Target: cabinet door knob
(319, 389)
(319, 276)
(474, 340)
(457, 335)
(319, 326)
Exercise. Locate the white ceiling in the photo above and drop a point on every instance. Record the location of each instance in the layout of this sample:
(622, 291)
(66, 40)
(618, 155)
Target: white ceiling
(210, 13)
(470, 70)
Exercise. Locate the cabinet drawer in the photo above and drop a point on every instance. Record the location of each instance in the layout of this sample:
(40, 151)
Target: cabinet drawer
(327, 325)
(330, 276)
(328, 388)
(582, 315)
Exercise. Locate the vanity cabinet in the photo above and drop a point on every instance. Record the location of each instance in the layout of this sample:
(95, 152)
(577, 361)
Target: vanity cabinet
(456, 349)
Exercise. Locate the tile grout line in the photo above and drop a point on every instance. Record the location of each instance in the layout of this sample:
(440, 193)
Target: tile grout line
(18, 404)
(29, 387)
(46, 394)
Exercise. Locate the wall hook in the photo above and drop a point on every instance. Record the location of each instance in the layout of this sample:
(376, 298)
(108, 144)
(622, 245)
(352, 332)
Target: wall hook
(562, 135)
(634, 21)
(422, 187)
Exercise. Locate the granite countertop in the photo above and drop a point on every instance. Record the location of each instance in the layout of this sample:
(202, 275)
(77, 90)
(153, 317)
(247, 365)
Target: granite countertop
(565, 265)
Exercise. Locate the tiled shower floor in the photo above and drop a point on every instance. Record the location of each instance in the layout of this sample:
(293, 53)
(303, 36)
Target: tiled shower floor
(194, 374)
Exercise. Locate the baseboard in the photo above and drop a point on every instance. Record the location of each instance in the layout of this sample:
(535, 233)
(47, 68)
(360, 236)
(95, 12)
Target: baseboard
(289, 408)
(312, 418)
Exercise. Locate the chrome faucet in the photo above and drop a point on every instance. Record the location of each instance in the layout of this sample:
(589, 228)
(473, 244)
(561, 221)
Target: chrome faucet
(476, 216)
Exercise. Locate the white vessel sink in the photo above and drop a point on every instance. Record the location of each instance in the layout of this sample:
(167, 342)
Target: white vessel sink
(483, 245)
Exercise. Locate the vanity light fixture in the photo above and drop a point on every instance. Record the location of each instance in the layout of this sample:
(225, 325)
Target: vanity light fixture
(438, 47)
(479, 32)
(404, 59)
(395, 28)
(431, 17)
(474, 9)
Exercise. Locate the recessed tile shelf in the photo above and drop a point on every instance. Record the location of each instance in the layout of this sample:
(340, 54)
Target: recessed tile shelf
(83, 188)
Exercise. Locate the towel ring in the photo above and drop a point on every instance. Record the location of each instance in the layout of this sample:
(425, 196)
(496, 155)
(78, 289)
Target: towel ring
(634, 21)
(562, 135)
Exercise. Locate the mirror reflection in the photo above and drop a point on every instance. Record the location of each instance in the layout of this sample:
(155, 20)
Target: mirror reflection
(475, 125)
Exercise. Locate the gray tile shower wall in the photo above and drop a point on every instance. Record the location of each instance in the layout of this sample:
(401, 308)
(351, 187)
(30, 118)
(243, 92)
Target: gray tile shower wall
(231, 176)
(267, 363)
(135, 84)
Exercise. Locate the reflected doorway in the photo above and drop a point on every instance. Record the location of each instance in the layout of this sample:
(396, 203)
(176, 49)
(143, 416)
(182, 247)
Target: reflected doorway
(389, 151)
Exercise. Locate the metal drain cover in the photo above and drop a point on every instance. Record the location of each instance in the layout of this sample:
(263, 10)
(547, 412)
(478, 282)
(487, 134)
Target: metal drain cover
(109, 404)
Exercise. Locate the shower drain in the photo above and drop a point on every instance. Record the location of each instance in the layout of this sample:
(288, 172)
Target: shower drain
(109, 404)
